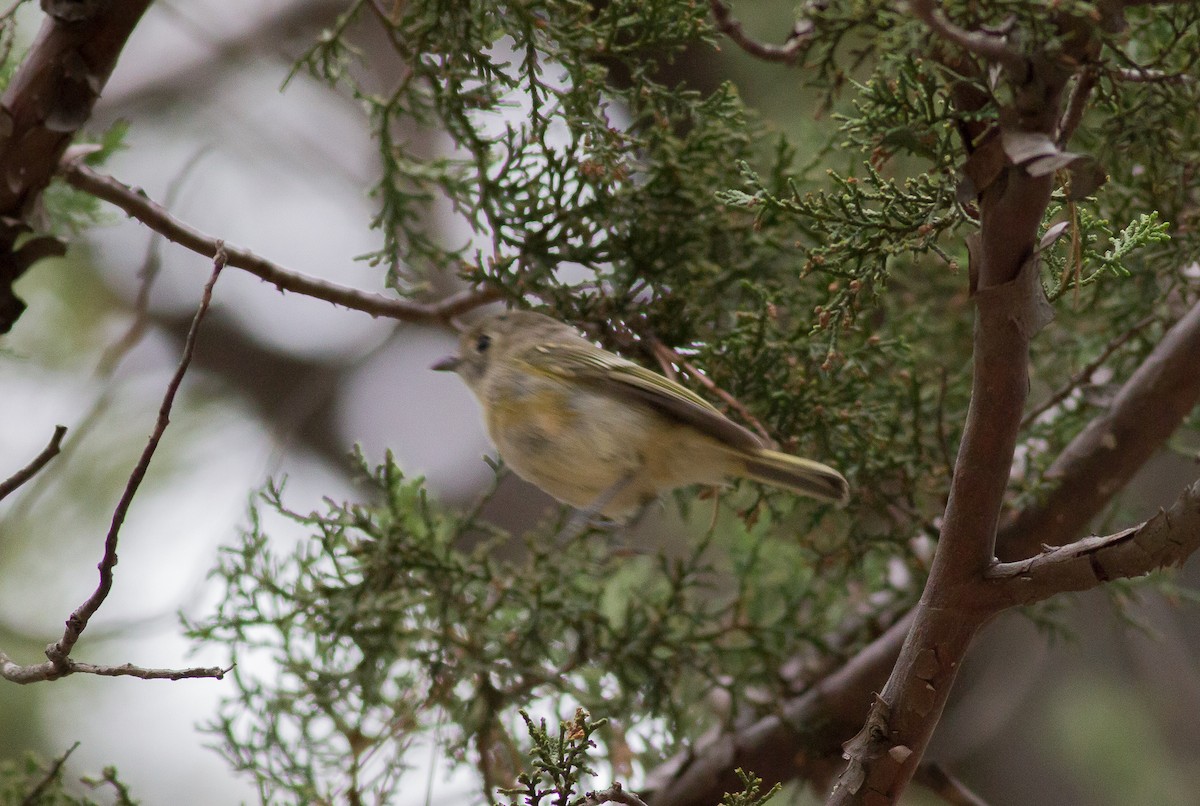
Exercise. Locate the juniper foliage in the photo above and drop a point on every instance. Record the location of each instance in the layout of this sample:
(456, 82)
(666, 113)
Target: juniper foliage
(535, 149)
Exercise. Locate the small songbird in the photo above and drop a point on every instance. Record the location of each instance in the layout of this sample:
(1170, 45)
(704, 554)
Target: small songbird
(606, 435)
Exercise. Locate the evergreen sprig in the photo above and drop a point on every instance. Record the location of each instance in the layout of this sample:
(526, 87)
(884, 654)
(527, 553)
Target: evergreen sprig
(559, 762)
(34, 781)
(399, 619)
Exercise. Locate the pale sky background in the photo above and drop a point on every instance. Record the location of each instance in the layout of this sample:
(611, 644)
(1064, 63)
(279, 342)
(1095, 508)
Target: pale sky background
(285, 175)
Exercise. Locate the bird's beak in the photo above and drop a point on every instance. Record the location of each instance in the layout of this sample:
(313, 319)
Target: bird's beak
(448, 364)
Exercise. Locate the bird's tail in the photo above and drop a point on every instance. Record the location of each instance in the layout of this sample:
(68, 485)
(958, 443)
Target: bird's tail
(801, 476)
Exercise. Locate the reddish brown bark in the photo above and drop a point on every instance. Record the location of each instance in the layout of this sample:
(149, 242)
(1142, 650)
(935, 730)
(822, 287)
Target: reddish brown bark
(49, 98)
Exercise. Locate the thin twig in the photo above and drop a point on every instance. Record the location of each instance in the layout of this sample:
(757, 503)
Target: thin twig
(937, 780)
(614, 794)
(663, 352)
(78, 620)
(11, 10)
(48, 670)
(137, 205)
(151, 266)
(732, 28)
(1085, 373)
(1145, 75)
(666, 358)
(59, 663)
(988, 46)
(143, 673)
(109, 776)
(35, 795)
(9, 485)
(115, 353)
(1085, 82)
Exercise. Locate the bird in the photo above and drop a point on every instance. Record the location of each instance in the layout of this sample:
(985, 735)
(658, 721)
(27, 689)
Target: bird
(606, 435)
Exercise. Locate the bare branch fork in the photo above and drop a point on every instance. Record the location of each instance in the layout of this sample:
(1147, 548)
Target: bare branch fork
(137, 205)
(59, 662)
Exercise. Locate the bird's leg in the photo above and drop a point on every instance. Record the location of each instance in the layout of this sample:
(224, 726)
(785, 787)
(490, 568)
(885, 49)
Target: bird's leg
(583, 518)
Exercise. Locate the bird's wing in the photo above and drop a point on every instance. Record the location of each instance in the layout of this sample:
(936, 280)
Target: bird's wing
(620, 377)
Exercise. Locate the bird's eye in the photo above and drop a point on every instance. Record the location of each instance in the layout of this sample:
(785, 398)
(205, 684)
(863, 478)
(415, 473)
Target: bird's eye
(483, 342)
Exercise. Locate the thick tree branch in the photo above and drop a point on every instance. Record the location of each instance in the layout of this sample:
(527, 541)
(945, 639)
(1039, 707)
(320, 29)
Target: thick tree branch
(779, 749)
(803, 739)
(884, 755)
(1102, 459)
(48, 99)
(835, 707)
(139, 206)
(9, 485)
(1010, 309)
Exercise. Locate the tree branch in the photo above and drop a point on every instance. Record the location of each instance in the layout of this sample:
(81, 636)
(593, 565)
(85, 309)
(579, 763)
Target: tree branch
(1081, 377)
(45, 671)
(1010, 308)
(59, 663)
(1145, 75)
(992, 47)
(778, 748)
(614, 794)
(886, 751)
(787, 53)
(941, 783)
(1102, 459)
(139, 206)
(9, 485)
(824, 716)
(802, 739)
(48, 99)
(666, 354)
(1167, 539)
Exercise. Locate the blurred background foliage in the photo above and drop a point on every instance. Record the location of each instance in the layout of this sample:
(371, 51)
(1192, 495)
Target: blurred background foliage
(791, 233)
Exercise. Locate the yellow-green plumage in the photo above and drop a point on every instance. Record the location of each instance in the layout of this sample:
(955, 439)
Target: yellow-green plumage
(600, 432)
